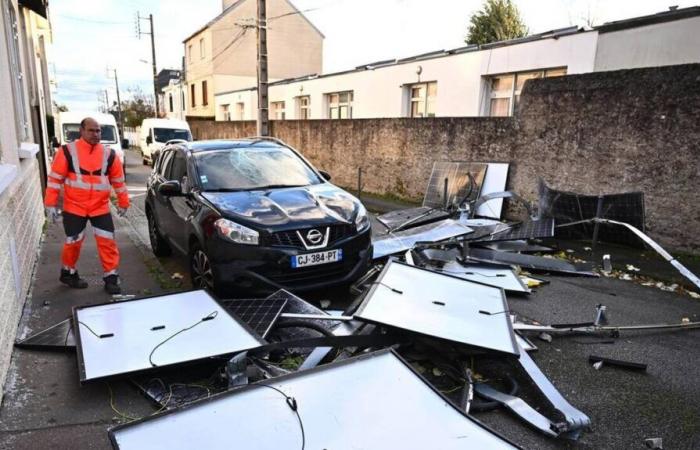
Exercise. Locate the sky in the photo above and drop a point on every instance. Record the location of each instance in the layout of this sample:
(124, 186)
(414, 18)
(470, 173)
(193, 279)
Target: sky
(91, 37)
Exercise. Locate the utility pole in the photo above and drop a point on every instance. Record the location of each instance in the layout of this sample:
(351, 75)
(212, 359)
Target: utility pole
(119, 102)
(153, 56)
(263, 113)
(107, 101)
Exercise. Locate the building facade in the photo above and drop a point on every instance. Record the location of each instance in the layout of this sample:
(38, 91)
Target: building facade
(25, 34)
(222, 55)
(475, 80)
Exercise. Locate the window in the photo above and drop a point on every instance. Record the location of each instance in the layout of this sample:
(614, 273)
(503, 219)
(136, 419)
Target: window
(178, 167)
(182, 100)
(277, 109)
(205, 99)
(16, 75)
(340, 105)
(225, 113)
(422, 101)
(164, 135)
(192, 94)
(164, 163)
(304, 107)
(201, 48)
(244, 168)
(240, 110)
(170, 101)
(189, 53)
(505, 89)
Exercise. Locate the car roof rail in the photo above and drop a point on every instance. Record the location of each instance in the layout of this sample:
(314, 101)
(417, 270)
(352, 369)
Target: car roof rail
(268, 138)
(176, 141)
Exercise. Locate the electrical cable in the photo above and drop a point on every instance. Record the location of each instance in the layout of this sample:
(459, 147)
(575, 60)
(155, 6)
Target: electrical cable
(114, 408)
(483, 406)
(210, 316)
(292, 403)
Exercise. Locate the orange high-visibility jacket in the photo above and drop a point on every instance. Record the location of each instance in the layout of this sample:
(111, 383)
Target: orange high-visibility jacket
(87, 174)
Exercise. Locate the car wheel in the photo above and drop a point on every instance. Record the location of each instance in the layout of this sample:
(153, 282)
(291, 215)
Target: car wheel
(159, 245)
(201, 272)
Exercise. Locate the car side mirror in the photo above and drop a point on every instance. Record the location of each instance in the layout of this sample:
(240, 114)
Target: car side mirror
(125, 143)
(170, 188)
(326, 176)
(149, 140)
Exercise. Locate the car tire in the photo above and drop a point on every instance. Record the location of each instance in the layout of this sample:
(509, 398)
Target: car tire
(201, 271)
(159, 245)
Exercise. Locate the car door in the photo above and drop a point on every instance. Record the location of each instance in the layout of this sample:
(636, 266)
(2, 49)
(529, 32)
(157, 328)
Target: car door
(162, 204)
(181, 206)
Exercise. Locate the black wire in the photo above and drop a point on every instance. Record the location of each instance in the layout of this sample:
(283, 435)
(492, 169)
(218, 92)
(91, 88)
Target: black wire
(387, 286)
(90, 329)
(292, 403)
(210, 316)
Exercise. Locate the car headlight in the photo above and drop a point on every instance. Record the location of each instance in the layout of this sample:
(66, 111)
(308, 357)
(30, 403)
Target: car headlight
(235, 232)
(362, 219)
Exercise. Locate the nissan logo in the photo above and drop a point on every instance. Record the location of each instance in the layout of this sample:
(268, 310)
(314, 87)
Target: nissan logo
(314, 236)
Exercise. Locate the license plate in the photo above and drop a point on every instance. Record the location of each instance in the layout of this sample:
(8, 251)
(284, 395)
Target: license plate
(314, 259)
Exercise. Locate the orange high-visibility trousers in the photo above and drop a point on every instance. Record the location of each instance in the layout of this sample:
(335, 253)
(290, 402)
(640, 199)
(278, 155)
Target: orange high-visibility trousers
(103, 227)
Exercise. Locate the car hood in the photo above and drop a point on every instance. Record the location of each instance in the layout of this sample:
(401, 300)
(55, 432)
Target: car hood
(308, 205)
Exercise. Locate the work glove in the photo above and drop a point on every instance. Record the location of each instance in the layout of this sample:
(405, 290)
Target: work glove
(52, 214)
(121, 212)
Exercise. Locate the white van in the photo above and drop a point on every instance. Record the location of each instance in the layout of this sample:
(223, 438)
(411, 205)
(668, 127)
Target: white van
(68, 130)
(156, 132)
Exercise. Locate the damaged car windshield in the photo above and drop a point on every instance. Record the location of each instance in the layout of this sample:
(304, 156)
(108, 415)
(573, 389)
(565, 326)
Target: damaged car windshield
(253, 168)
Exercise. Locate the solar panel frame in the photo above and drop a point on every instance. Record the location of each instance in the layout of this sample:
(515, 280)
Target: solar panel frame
(56, 337)
(227, 316)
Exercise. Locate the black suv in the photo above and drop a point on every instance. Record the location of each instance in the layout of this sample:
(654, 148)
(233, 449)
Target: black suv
(255, 215)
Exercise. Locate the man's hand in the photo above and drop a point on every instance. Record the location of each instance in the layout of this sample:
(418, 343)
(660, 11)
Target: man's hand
(121, 212)
(52, 214)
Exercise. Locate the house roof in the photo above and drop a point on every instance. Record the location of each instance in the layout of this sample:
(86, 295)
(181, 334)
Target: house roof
(663, 16)
(234, 5)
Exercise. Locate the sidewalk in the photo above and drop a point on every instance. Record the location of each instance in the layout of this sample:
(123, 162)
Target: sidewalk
(44, 406)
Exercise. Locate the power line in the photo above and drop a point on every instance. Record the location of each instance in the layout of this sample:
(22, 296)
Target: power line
(85, 19)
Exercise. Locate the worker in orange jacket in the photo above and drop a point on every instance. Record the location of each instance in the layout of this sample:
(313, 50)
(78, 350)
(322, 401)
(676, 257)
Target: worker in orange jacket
(87, 171)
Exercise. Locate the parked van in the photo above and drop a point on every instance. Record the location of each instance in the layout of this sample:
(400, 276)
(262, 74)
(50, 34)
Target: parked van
(156, 132)
(68, 130)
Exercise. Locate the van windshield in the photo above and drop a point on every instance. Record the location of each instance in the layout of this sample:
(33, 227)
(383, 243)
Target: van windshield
(71, 132)
(168, 134)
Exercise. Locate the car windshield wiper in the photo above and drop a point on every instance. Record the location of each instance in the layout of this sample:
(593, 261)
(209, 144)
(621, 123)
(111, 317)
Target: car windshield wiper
(276, 186)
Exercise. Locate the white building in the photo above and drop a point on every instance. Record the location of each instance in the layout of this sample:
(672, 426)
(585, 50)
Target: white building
(25, 33)
(475, 80)
(175, 100)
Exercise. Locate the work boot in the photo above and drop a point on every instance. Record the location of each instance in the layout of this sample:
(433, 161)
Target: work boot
(72, 279)
(112, 285)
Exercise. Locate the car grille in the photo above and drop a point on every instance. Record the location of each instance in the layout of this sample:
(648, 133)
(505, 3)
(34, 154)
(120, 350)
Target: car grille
(290, 238)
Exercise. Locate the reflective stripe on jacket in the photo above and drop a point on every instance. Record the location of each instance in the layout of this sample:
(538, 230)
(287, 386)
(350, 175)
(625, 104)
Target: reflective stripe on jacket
(87, 174)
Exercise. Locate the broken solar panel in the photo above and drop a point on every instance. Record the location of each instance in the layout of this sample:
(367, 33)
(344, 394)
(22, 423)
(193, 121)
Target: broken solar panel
(531, 229)
(530, 262)
(140, 334)
(259, 313)
(401, 241)
(567, 207)
(495, 276)
(460, 187)
(494, 181)
(441, 306)
(519, 246)
(411, 217)
(58, 336)
(378, 399)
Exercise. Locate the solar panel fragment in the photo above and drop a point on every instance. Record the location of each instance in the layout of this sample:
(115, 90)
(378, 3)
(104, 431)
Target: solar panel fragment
(458, 183)
(259, 313)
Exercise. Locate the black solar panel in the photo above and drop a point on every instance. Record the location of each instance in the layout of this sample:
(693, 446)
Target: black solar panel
(458, 183)
(567, 207)
(56, 336)
(533, 229)
(412, 217)
(260, 314)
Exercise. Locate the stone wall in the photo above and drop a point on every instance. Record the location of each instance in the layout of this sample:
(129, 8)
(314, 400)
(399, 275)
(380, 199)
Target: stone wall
(593, 133)
(21, 224)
